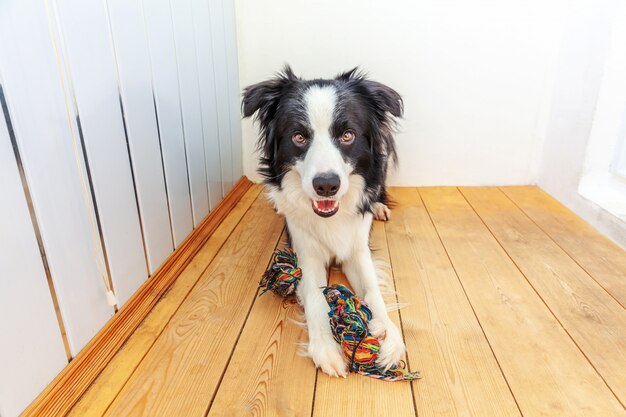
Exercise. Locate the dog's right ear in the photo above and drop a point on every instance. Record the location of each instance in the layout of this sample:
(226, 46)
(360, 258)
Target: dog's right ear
(263, 99)
(264, 96)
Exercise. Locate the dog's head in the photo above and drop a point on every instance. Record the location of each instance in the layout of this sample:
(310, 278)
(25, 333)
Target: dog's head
(326, 131)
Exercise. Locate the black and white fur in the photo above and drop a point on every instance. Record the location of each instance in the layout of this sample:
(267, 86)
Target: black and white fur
(326, 146)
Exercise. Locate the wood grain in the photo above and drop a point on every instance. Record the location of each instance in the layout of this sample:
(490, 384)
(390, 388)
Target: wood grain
(109, 383)
(444, 338)
(182, 370)
(267, 375)
(209, 340)
(600, 257)
(547, 373)
(595, 320)
(67, 388)
(359, 395)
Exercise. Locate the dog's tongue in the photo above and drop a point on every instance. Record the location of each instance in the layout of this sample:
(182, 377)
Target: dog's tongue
(326, 204)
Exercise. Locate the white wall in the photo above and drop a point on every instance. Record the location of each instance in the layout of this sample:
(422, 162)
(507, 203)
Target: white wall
(475, 75)
(586, 110)
(497, 92)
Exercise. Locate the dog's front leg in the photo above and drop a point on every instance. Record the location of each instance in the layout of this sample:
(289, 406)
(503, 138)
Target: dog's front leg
(322, 347)
(360, 270)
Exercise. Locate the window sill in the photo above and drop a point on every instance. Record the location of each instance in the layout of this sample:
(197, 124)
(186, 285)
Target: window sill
(607, 191)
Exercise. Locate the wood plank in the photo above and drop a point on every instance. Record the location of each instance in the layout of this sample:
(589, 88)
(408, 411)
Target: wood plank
(595, 320)
(360, 395)
(112, 379)
(182, 370)
(259, 380)
(599, 256)
(444, 339)
(67, 388)
(547, 373)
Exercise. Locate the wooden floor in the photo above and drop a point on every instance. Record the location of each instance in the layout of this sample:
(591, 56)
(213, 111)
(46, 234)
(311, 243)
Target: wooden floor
(513, 307)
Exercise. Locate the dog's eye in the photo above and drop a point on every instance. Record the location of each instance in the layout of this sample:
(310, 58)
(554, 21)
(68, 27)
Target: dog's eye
(348, 136)
(298, 139)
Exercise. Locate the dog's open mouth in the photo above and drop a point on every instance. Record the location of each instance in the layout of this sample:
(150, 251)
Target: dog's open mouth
(325, 208)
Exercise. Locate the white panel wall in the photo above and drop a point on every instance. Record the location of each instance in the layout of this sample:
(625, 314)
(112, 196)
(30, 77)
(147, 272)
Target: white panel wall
(220, 67)
(185, 54)
(232, 64)
(92, 76)
(30, 332)
(39, 110)
(133, 64)
(201, 21)
(123, 121)
(162, 51)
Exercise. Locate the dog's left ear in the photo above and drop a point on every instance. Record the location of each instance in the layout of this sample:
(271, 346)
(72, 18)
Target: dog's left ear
(383, 101)
(386, 98)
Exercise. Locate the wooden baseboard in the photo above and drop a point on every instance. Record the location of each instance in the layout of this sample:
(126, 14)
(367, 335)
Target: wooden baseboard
(67, 388)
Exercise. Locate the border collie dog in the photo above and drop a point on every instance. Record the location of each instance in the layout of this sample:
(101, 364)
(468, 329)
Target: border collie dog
(325, 148)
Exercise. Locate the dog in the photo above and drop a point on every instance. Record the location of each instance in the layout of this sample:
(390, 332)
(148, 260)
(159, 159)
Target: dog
(325, 147)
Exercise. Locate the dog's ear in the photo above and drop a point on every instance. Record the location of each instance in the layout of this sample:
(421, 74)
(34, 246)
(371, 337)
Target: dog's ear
(383, 101)
(386, 101)
(353, 74)
(264, 96)
(385, 98)
(263, 99)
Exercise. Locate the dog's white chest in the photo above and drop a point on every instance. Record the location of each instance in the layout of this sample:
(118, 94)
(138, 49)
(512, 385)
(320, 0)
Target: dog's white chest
(334, 237)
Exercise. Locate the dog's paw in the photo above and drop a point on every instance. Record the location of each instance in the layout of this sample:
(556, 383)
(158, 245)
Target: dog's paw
(327, 356)
(378, 328)
(381, 212)
(391, 344)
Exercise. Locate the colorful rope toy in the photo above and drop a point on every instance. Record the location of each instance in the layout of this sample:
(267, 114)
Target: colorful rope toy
(348, 318)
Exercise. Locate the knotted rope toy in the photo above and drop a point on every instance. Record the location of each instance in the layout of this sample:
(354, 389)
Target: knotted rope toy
(348, 317)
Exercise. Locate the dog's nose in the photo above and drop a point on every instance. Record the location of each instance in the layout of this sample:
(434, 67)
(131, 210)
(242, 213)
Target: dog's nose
(326, 185)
